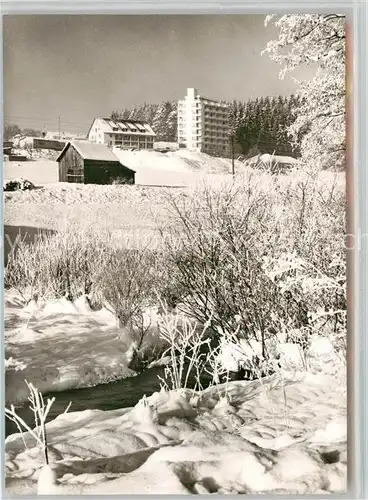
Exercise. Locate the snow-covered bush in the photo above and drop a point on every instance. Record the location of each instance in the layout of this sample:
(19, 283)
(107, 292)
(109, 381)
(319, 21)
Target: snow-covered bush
(197, 361)
(63, 264)
(220, 239)
(18, 185)
(76, 262)
(323, 293)
(220, 250)
(188, 349)
(126, 281)
(213, 248)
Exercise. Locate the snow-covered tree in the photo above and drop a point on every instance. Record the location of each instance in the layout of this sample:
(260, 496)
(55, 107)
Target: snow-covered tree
(164, 122)
(317, 39)
(236, 118)
(172, 122)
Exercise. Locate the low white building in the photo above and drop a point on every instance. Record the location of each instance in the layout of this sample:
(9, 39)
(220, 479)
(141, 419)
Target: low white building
(203, 124)
(126, 134)
(63, 136)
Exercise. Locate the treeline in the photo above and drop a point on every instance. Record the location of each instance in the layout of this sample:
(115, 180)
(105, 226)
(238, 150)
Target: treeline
(10, 130)
(256, 126)
(260, 125)
(162, 118)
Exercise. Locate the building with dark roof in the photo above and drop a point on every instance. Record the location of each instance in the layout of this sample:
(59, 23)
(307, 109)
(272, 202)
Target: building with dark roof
(126, 134)
(86, 163)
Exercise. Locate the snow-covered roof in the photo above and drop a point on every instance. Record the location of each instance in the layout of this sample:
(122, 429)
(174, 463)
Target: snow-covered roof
(268, 158)
(130, 127)
(91, 151)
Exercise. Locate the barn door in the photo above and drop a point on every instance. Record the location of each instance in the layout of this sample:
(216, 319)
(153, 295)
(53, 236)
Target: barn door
(75, 170)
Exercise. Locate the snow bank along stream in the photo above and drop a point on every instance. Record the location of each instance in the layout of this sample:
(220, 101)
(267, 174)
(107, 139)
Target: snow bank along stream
(285, 433)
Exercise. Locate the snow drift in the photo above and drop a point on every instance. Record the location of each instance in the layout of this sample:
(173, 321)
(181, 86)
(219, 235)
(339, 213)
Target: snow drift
(233, 438)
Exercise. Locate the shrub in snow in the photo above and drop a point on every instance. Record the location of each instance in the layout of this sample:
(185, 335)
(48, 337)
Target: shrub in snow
(322, 291)
(127, 282)
(195, 358)
(239, 359)
(238, 353)
(213, 249)
(186, 349)
(225, 248)
(18, 185)
(65, 264)
(40, 411)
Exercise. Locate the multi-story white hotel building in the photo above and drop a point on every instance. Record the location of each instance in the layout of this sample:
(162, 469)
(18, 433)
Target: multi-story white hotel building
(203, 124)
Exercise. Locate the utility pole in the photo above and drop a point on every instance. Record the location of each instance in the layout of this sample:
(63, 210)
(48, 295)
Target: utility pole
(59, 127)
(232, 156)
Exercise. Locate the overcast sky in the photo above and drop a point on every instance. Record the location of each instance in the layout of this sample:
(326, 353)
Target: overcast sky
(80, 67)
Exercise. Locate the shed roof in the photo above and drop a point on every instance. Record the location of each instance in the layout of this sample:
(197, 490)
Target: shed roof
(90, 151)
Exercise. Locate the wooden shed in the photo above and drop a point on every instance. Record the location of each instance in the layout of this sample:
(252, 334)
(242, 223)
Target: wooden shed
(88, 163)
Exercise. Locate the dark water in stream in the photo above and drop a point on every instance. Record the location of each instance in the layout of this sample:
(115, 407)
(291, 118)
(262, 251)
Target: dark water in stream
(119, 394)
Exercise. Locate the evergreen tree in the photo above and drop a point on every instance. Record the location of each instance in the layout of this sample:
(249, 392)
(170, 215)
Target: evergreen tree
(162, 118)
(264, 126)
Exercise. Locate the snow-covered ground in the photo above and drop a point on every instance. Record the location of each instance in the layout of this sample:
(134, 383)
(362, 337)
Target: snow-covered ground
(128, 211)
(176, 168)
(131, 210)
(284, 433)
(39, 172)
(62, 345)
(281, 434)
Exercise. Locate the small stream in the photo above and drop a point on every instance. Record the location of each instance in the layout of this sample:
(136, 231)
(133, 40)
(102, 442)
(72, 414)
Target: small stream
(119, 394)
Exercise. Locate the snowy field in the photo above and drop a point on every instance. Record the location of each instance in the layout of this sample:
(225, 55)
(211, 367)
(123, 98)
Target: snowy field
(38, 172)
(130, 210)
